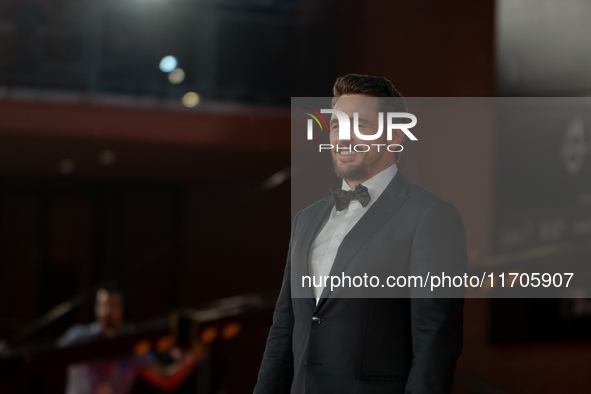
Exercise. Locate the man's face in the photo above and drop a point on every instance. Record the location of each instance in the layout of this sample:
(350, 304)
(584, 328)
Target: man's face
(109, 310)
(357, 167)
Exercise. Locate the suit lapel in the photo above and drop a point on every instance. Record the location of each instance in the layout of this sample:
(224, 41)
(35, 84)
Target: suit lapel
(379, 213)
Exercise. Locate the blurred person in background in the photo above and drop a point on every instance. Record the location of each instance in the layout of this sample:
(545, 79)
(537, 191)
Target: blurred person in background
(117, 375)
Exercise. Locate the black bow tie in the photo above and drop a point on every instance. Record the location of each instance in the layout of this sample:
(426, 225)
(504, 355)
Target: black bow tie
(343, 197)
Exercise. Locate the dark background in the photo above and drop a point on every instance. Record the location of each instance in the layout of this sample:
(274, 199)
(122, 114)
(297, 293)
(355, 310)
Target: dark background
(195, 205)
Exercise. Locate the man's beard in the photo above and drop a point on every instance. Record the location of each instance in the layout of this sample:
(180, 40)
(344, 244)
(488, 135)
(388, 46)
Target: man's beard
(355, 173)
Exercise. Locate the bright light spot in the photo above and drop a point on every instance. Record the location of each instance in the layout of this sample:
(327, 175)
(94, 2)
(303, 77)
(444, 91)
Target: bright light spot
(168, 63)
(66, 166)
(190, 99)
(107, 157)
(277, 179)
(176, 76)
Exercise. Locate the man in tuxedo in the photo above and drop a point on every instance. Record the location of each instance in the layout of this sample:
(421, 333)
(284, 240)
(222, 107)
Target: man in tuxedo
(408, 342)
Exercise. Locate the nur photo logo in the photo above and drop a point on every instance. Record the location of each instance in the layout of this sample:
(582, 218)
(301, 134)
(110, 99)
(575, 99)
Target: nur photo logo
(340, 122)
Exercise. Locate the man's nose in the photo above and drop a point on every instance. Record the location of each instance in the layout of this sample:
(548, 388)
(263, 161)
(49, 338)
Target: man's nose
(345, 139)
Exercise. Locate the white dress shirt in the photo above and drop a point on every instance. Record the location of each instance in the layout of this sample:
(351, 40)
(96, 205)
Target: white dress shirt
(324, 248)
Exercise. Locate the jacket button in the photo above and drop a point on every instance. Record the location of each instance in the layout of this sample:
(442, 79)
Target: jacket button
(316, 319)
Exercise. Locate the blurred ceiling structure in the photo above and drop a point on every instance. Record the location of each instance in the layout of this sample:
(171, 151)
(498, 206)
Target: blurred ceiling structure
(262, 51)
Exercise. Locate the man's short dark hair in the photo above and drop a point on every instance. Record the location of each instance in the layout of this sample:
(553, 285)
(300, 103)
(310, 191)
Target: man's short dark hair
(364, 84)
(374, 86)
(114, 287)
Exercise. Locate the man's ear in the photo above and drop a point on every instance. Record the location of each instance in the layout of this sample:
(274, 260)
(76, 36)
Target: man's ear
(397, 137)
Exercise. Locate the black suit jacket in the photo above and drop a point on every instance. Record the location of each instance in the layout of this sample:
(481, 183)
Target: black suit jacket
(371, 345)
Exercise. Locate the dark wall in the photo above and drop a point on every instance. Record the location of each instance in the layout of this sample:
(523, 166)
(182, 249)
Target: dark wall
(428, 48)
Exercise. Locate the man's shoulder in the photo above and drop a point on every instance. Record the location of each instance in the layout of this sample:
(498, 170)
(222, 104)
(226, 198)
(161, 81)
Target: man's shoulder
(79, 333)
(429, 204)
(422, 196)
(420, 202)
(317, 208)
